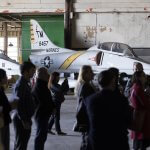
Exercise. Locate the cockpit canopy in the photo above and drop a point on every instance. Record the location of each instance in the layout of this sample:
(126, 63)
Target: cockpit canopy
(119, 48)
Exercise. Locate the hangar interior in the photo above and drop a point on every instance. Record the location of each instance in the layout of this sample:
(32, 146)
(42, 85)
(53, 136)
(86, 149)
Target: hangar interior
(74, 24)
(78, 25)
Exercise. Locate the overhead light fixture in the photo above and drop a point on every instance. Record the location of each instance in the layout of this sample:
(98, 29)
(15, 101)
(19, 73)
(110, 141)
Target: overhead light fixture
(10, 44)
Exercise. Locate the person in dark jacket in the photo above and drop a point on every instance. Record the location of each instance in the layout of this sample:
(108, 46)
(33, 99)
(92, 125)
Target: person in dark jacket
(25, 110)
(83, 89)
(109, 116)
(5, 110)
(65, 86)
(44, 107)
(58, 98)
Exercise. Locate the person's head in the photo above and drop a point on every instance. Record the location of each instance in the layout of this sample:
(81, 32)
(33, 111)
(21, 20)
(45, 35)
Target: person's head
(139, 77)
(137, 66)
(27, 69)
(3, 77)
(85, 74)
(115, 72)
(42, 73)
(54, 79)
(107, 80)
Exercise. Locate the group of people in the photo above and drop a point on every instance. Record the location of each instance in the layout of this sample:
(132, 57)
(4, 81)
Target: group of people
(104, 117)
(42, 100)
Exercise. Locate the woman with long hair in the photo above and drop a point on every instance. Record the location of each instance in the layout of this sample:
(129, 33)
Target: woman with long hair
(140, 102)
(58, 98)
(83, 89)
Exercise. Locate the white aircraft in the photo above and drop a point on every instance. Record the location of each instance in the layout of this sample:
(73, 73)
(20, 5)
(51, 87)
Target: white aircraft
(100, 57)
(10, 66)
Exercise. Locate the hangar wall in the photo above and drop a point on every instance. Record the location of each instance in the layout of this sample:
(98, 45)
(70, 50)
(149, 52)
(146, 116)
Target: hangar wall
(95, 21)
(126, 21)
(15, 6)
(129, 28)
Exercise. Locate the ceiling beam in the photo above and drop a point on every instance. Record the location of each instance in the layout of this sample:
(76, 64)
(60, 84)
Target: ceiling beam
(9, 21)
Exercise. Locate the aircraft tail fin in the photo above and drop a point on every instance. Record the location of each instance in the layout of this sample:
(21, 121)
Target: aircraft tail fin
(39, 39)
(41, 43)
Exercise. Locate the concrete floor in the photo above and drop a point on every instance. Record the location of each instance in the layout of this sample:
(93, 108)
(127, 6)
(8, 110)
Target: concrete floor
(54, 142)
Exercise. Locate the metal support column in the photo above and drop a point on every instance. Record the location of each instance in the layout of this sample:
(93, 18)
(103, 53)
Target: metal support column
(68, 11)
(5, 37)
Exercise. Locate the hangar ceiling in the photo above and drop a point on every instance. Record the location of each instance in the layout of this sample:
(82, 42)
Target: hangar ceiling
(14, 20)
(13, 23)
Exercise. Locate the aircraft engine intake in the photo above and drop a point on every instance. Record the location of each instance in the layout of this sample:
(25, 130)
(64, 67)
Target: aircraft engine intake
(98, 58)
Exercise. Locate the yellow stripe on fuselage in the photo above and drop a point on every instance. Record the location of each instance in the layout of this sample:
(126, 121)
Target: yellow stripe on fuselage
(70, 60)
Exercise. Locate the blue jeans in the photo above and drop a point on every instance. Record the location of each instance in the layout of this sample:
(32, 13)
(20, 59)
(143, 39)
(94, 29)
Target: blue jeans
(55, 118)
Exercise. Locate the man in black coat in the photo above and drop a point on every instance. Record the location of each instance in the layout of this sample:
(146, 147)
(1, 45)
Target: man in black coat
(44, 107)
(25, 108)
(5, 109)
(108, 115)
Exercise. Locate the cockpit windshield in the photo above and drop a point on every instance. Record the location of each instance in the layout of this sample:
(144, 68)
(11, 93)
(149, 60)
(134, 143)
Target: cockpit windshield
(119, 48)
